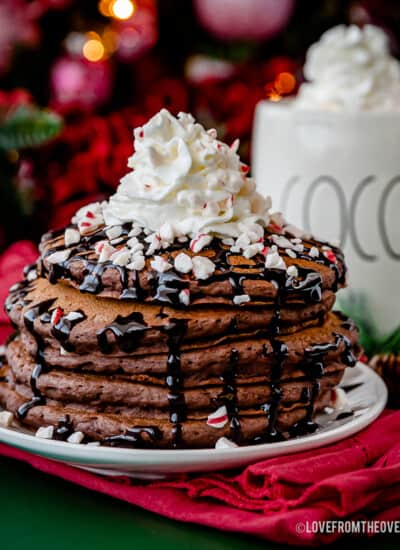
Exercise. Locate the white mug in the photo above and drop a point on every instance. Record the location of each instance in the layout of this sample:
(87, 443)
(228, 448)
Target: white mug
(337, 175)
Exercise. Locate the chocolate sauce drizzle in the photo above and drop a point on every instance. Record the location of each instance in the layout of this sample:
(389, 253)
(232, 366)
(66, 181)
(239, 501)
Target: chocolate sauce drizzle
(136, 437)
(64, 429)
(17, 296)
(61, 331)
(40, 364)
(2, 362)
(175, 331)
(167, 287)
(279, 356)
(228, 397)
(313, 367)
(127, 331)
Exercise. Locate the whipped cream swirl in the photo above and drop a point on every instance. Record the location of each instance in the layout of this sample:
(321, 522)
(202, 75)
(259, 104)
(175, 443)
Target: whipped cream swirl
(351, 69)
(183, 176)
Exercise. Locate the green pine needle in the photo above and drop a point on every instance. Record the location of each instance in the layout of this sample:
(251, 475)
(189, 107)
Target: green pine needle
(28, 126)
(391, 344)
(355, 305)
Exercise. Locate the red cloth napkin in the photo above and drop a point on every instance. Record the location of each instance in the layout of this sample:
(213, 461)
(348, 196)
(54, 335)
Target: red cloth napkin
(12, 263)
(358, 478)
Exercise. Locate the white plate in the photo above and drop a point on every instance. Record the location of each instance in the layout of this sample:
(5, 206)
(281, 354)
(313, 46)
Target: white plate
(365, 391)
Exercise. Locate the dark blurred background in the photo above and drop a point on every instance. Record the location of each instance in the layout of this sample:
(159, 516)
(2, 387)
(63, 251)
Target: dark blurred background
(76, 77)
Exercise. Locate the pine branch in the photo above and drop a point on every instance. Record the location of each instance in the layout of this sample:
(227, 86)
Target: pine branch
(355, 305)
(391, 344)
(28, 126)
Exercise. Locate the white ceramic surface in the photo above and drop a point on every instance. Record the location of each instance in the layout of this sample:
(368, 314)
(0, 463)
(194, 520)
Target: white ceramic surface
(337, 175)
(366, 394)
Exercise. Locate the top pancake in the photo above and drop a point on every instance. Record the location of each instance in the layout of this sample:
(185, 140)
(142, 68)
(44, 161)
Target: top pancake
(319, 268)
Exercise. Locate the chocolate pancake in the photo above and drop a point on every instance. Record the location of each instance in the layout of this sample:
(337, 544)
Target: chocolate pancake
(117, 426)
(147, 325)
(321, 268)
(145, 391)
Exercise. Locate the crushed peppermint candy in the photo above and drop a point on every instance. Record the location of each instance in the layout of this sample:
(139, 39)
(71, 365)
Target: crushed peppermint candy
(6, 419)
(121, 257)
(203, 268)
(116, 241)
(225, 443)
(133, 243)
(160, 265)
(98, 246)
(105, 251)
(137, 249)
(219, 418)
(275, 227)
(314, 252)
(113, 232)
(76, 437)
(274, 261)
(298, 248)
(339, 399)
(58, 257)
(56, 316)
(278, 218)
(241, 299)
(89, 218)
(198, 243)
(90, 211)
(183, 263)
(253, 249)
(135, 231)
(293, 271)
(154, 243)
(137, 263)
(45, 432)
(282, 241)
(71, 237)
(184, 296)
(32, 274)
(331, 256)
(89, 225)
(291, 253)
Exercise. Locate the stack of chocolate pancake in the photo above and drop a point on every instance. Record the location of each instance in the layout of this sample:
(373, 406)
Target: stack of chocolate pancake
(167, 359)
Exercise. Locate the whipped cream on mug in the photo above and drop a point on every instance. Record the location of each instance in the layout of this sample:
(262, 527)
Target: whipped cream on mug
(183, 176)
(350, 68)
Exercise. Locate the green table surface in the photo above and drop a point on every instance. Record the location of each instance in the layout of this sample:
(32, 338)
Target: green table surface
(39, 512)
